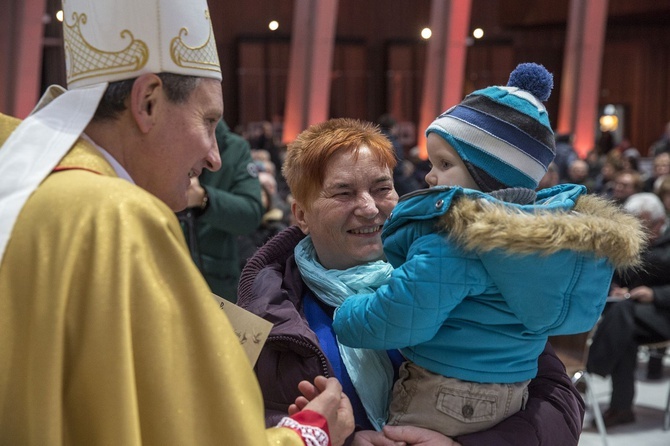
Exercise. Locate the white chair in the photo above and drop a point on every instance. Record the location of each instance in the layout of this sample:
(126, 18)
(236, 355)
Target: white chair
(573, 351)
(652, 350)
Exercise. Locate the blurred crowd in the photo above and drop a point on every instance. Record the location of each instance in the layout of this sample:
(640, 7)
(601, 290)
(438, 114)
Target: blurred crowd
(616, 172)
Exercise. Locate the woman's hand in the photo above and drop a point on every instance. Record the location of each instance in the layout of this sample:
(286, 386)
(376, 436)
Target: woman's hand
(325, 397)
(642, 294)
(374, 438)
(617, 291)
(402, 436)
(417, 436)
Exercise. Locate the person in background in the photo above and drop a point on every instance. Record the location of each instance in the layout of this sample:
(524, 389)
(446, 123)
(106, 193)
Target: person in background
(340, 174)
(404, 183)
(606, 142)
(662, 144)
(595, 161)
(110, 333)
(407, 176)
(263, 161)
(387, 124)
(222, 206)
(642, 315)
(550, 178)
(578, 173)
(663, 192)
(263, 137)
(565, 154)
(626, 183)
(605, 180)
(277, 204)
(272, 223)
(486, 269)
(660, 168)
(421, 167)
(630, 159)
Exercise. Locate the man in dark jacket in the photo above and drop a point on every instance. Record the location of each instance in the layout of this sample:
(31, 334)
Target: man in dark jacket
(641, 316)
(222, 206)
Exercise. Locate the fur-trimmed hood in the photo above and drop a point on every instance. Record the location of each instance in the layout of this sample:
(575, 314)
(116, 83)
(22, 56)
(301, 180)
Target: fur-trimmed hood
(562, 218)
(594, 225)
(546, 265)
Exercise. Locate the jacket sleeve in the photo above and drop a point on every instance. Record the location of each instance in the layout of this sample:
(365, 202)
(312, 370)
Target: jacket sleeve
(412, 307)
(662, 296)
(234, 192)
(553, 415)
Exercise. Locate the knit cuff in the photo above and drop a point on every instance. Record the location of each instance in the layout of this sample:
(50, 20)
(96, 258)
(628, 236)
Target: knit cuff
(311, 426)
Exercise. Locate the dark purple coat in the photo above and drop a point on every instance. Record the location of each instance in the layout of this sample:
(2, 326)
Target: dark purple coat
(271, 287)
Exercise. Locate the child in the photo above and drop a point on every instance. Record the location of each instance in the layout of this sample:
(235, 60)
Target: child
(486, 268)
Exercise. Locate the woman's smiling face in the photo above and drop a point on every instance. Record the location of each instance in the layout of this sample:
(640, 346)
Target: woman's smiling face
(346, 218)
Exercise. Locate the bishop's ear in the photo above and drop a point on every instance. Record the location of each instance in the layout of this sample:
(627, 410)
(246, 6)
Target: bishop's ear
(146, 95)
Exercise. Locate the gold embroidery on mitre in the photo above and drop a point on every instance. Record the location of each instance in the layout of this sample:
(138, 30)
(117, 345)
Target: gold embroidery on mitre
(204, 57)
(84, 61)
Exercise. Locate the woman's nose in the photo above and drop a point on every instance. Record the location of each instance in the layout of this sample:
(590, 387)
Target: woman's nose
(367, 207)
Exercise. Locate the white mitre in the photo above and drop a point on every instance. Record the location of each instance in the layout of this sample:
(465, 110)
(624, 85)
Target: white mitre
(111, 40)
(105, 41)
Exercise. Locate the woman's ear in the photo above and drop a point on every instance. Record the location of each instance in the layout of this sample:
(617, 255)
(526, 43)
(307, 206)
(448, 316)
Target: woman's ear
(299, 215)
(145, 96)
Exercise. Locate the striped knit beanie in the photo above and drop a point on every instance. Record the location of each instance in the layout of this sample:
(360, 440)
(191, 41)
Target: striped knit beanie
(503, 134)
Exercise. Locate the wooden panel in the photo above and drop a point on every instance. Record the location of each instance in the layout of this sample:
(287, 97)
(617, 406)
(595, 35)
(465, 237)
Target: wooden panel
(8, 42)
(378, 20)
(623, 86)
(538, 34)
(404, 80)
(653, 103)
(251, 80)
(277, 57)
(349, 82)
(488, 65)
(261, 78)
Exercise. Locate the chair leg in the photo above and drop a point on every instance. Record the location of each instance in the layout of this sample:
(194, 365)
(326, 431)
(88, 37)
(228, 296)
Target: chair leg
(666, 415)
(593, 402)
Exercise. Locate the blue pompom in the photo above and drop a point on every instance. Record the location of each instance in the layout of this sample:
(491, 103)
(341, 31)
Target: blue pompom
(533, 78)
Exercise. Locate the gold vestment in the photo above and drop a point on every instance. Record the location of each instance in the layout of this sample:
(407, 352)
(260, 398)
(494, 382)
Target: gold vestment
(110, 335)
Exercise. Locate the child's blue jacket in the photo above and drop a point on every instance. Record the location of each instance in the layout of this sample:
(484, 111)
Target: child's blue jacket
(479, 284)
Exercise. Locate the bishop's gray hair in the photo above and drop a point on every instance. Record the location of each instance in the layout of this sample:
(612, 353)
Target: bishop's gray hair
(177, 88)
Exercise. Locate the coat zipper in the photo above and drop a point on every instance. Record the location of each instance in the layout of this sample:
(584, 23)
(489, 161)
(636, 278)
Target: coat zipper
(309, 345)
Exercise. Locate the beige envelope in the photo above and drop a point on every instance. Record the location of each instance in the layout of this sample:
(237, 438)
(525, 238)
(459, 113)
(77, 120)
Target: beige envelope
(251, 330)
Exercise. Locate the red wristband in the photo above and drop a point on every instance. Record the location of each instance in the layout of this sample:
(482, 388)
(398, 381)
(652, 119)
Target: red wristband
(311, 426)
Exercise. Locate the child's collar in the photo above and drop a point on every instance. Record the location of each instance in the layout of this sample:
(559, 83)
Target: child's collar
(517, 195)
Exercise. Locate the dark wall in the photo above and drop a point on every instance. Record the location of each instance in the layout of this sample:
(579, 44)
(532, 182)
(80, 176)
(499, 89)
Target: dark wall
(379, 57)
